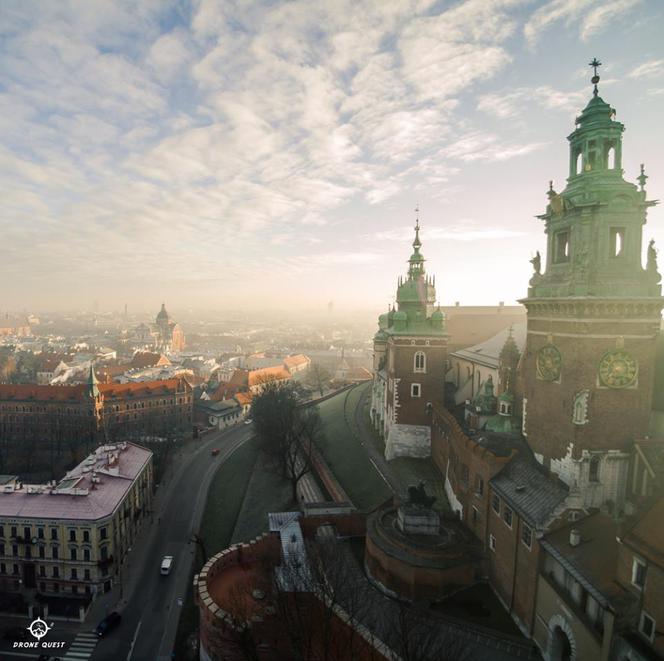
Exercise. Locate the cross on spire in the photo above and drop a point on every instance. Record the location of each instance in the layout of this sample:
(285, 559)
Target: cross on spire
(417, 217)
(595, 79)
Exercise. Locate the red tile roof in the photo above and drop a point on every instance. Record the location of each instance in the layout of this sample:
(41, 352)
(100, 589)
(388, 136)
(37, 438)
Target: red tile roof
(144, 359)
(26, 392)
(267, 374)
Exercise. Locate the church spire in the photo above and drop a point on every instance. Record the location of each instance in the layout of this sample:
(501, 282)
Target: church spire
(416, 261)
(93, 384)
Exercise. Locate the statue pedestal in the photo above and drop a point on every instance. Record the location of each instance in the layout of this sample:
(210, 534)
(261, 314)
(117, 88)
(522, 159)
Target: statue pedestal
(415, 520)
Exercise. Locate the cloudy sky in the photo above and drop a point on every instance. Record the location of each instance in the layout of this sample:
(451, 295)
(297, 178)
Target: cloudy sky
(216, 154)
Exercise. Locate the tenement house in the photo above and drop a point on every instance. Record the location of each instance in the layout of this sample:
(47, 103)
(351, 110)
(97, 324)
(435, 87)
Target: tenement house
(70, 538)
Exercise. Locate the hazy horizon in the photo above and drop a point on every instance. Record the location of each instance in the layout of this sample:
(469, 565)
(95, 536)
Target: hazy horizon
(271, 157)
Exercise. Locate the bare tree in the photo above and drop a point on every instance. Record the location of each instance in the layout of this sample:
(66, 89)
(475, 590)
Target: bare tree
(318, 376)
(286, 433)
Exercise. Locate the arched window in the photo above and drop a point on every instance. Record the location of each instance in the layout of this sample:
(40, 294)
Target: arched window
(420, 362)
(579, 163)
(611, 158)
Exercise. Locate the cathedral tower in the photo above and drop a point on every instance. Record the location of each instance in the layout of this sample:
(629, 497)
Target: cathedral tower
(593, 316)
(410, 351)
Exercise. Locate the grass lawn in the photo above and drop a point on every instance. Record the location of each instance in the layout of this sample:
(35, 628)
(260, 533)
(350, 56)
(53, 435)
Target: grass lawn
(225, 498)
(266, 492)
(344, 453)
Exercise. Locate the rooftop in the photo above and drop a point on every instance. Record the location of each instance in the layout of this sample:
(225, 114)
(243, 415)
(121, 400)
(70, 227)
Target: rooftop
(647, 534)
(526, 487)
(90, 491)
(488, 351)
(593, 561)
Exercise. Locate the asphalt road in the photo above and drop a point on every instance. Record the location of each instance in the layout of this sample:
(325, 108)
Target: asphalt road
(150, 616)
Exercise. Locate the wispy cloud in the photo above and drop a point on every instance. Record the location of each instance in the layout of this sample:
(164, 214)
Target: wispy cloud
(591, 16)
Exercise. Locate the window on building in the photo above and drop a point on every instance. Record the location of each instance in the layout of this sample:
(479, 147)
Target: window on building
(3, 568)
(103, 533)
(42, 551)
(639, 571)
(74, 574)
(475, 514)
(27, 533)
(86, 555)
(54, 552)
(86, 535)
(647, 626)
(42, 570)
(593, 470)
(73, 554)
(2, 531)
(492, 542)
(561, 246)
(54, 533)
(616, 241)
(14, 532)
(56, 572)
(495, 504)
(15, 550)
(72, 535)
(507, 516)
(420, 362)
(14, 569)
(86, 574)
(479, 485)
(56, 587)
(415, 390)
(527, 536)
(2, 549)
(103, 552)
(40, 533)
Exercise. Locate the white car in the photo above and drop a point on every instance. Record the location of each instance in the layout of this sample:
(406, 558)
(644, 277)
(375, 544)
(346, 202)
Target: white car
(166, 565)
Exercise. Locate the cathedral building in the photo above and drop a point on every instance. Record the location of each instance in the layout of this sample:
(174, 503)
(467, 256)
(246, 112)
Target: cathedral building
(593, 317)
(410, 353)
(165, 335)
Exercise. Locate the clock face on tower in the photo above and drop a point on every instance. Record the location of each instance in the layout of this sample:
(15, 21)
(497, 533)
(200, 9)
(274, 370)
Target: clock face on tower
(548, 363)
(617, 369)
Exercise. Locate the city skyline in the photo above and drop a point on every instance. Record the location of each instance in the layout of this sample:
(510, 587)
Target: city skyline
(273, 156)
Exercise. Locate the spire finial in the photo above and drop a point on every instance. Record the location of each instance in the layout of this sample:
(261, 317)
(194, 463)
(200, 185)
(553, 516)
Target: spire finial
(595, 79)
(642, 178)
(417, 217)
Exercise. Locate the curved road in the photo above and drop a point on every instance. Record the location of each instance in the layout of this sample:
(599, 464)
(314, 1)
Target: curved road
(150, 605)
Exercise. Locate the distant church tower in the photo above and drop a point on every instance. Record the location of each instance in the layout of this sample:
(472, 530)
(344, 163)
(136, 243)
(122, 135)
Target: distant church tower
(410, 350)
(593, 317)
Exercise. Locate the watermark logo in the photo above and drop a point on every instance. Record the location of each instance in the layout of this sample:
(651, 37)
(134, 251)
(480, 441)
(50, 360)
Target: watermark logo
(38, 628)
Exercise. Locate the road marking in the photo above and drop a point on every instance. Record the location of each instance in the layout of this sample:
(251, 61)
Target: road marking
(133, 640)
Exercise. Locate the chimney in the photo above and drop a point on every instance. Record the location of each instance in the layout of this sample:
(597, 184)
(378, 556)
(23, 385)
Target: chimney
(574, 537)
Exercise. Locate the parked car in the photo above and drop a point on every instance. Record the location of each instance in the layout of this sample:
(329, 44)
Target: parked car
(166, 565)
(16, 633)
(215, 452)
(108, 623)
(248, 421)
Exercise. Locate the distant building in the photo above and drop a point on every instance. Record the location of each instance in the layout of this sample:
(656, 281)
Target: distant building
(69, 538)
(165, 335)
(92, 411)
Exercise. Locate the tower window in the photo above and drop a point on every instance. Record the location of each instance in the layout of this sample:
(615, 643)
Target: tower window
(562, 246)
(415, 390)
(611, 158)
(617, 241)
(420, 362)
(578, 166)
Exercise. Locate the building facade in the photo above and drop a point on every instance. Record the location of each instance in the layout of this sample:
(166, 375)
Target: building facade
(70, 538)
(95, 411)
(593, 317)
(410, 354)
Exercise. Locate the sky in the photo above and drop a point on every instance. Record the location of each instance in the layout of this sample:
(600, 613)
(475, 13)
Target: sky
(267, 155)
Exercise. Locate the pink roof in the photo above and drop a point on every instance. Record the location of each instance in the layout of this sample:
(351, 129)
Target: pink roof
(115, 466)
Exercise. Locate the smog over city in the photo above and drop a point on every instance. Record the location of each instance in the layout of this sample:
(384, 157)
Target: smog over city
(331, 331)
